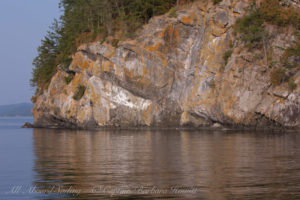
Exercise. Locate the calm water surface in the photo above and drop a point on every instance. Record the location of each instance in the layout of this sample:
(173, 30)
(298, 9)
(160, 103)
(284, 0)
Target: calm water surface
(60, 164)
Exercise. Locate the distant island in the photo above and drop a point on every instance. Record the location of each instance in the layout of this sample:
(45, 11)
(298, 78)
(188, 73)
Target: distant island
(14, 110)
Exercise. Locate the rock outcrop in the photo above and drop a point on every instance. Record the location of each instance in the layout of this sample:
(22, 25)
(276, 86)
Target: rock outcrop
(173, 74)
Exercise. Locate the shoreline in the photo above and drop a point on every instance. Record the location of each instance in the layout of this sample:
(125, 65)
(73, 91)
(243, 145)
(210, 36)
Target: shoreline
(171, 128)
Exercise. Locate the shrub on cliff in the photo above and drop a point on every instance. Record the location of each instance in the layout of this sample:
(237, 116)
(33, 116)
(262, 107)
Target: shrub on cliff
(217, 1)
(172, 12)
(250, 28)
(69, 78)
(227, 55)
(278, 76)
(79, 92)
(291, 56)
(292, 84)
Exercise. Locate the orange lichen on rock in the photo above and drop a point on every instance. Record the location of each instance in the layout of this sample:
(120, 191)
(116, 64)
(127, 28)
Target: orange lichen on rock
(171, 38)
(188, 19)
(153, 48)
(52, 91)
(81, 61)
(106, 66)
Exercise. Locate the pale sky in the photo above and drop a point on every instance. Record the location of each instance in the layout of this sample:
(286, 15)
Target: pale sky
(23, 23)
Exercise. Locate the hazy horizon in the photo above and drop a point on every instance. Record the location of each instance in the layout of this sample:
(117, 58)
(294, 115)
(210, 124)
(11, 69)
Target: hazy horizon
(23, 25)
(16, 103)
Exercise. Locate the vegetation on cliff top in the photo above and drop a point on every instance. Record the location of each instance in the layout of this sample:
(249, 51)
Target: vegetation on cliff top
(86, 20)
(251, 29)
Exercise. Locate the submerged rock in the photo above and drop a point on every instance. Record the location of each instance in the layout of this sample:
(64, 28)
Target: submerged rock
(173, 74)
(28, 125)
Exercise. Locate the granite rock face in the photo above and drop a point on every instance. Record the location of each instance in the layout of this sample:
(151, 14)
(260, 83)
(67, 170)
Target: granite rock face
(173, 74)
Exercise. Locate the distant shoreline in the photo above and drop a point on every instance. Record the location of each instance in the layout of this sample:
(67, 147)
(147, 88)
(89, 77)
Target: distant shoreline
(25, 116)
(16, 110)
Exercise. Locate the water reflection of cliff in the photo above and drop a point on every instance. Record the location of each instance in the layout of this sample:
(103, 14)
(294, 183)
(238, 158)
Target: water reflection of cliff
(218, 165)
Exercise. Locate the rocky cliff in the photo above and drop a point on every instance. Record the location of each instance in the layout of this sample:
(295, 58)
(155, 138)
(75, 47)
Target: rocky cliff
(174, 74)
